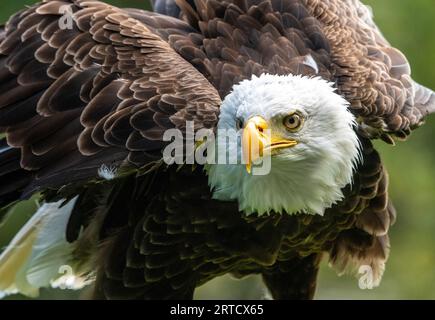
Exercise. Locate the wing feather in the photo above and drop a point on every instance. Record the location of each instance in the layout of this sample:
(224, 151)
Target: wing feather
(73, 92)
(374, 76)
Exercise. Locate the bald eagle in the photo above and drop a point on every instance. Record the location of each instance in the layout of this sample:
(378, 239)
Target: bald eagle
(103, 109)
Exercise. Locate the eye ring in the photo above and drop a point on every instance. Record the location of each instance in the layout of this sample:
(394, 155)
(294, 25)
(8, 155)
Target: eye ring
(293, 122)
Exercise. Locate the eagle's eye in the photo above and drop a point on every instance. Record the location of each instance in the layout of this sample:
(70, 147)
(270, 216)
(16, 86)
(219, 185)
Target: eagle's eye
(293, 121)
(239, 123)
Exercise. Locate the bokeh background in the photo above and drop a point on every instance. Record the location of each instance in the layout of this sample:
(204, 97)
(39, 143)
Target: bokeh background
(410, 273)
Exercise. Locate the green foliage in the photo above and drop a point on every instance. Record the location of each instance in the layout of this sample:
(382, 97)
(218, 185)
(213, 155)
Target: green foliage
(409, 25)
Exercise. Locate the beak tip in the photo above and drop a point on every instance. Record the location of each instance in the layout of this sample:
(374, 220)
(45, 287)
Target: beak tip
(248, 168)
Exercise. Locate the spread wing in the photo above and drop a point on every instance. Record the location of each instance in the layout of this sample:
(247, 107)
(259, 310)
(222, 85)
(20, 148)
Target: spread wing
(373, 76)
(84, 84)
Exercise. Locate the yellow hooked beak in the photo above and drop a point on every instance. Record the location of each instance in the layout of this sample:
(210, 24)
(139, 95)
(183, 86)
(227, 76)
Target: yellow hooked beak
(256, 143)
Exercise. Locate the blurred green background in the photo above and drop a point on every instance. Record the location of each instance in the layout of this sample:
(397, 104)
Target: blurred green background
(410, 273)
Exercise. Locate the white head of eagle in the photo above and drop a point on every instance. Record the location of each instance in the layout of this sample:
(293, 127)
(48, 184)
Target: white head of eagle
(313, 145)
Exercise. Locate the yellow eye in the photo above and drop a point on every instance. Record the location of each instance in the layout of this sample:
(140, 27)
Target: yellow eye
(293, 122)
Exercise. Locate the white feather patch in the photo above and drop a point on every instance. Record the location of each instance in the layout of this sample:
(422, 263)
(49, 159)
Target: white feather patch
(309, 61)
(107, 172)
(37, 254)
